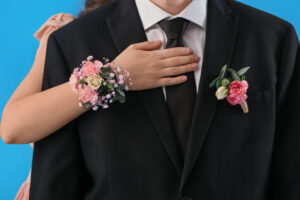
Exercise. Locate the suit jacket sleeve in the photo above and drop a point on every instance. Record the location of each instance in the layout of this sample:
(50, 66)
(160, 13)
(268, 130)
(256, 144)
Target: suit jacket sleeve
(58, 170)
(285, 174)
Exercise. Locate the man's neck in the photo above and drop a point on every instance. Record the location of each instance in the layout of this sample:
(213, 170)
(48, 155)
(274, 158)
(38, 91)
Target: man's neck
(173, 7)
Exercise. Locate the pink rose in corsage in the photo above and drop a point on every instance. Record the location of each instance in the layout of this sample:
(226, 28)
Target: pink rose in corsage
(98, 84)
(233, 88)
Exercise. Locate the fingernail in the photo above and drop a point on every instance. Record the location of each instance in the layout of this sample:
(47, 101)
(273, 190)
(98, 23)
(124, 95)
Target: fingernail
(190, 50)
(197, 58)
(195, 66)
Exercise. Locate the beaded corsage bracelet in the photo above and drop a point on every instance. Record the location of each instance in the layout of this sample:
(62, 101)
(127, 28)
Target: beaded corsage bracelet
(98, 85)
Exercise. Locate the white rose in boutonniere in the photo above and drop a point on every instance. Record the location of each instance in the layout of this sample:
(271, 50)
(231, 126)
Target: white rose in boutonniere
(94, 81)
(222, 93)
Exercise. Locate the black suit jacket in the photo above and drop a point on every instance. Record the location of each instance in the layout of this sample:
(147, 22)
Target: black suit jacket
(129, 151)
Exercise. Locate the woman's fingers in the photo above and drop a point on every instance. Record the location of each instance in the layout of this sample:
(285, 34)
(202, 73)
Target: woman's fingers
(160, 67)
(177, 70)
(168, 81)
(180, 60)
(147, 46)
(174, 52)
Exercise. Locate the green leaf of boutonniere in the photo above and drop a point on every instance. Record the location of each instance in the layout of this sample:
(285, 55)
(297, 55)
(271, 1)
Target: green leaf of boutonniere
(241, 72)
(219, 83)
(235, 76)
(214, 82)
(223, 71)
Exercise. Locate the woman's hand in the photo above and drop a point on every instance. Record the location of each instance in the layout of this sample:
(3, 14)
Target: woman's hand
(150, 68)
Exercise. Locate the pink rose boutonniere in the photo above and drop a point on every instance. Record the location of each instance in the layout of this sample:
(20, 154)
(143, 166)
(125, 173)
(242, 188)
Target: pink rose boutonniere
(233, 88)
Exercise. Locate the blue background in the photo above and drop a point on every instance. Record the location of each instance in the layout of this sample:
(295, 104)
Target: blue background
(18, 22)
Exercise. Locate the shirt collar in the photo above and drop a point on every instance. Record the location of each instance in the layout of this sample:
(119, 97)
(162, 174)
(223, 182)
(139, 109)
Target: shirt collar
(151, 14)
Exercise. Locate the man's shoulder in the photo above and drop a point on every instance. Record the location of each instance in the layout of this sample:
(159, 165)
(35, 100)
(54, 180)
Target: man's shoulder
(90, 22)
(258, 19)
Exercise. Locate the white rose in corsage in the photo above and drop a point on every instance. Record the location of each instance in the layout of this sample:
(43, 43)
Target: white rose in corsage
(99, 84)
(233, 88)
(94, 81)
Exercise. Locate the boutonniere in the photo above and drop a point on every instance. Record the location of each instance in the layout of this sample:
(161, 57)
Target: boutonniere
(233, 87)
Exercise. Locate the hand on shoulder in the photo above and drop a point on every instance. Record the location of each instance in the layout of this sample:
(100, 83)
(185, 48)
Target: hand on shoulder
(53, 23)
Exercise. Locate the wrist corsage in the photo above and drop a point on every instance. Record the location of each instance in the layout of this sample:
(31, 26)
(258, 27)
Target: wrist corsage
(98, 85)
(233, 88)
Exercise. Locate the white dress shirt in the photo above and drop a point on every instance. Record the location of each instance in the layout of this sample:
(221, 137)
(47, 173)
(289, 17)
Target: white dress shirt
(194, 36)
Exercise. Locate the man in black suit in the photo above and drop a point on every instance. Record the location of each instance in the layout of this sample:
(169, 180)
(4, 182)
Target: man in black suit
(132, 151)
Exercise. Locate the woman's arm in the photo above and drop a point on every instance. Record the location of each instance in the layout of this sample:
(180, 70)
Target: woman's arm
(31, 115)
(36, 115)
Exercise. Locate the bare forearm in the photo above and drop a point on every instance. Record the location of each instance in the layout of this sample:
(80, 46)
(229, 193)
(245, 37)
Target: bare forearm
(36, 116)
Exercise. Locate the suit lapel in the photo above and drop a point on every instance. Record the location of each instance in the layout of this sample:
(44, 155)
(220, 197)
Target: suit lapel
(126, 28)
(221, 30)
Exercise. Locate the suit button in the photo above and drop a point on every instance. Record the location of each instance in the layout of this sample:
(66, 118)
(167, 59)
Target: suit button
(186, 198)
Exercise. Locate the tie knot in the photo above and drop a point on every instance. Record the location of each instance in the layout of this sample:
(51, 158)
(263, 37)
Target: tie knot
(174, 28)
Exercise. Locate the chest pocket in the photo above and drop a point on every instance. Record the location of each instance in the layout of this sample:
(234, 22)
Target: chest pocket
(263, 96)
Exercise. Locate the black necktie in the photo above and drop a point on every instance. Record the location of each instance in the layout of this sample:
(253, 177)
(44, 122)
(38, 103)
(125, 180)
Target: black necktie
(180, 98)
